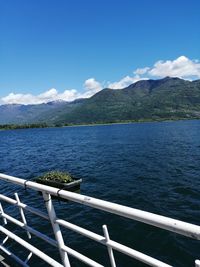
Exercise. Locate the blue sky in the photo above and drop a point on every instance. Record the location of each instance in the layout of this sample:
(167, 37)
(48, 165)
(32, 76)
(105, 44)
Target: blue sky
(72, 48)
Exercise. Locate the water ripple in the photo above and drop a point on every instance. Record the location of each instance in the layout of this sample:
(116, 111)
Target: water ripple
(150, 166)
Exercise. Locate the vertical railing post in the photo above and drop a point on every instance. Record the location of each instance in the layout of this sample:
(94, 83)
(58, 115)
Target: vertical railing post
(110, 251)
(56, 228)
(22, 213)
(2, 212)
(28, 257)
(197, 263)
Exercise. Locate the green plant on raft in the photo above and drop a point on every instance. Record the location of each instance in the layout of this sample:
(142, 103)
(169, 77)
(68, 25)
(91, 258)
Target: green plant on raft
(57, 176)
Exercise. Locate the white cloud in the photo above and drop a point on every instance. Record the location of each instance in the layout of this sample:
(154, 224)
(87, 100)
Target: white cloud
(92, 84)
(48, 96)
(181, 67)
(124, 82)
(92, 87)
(141, 71)
(18, 99)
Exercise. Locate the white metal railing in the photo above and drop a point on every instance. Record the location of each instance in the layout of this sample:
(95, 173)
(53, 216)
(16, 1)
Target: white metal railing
(183, 228)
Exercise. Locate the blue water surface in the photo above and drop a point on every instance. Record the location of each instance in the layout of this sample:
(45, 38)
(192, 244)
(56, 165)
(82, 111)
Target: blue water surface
(150, 166)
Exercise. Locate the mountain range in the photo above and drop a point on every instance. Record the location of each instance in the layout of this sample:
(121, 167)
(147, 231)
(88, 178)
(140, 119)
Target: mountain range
(167, 98)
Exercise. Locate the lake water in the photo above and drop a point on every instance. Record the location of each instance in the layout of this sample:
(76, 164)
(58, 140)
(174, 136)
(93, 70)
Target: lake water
(150, 166)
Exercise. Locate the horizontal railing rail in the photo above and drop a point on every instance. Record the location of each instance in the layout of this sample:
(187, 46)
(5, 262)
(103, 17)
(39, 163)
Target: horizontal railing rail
(101, 239)
(39, 234)
(177, 226)
(159, 221)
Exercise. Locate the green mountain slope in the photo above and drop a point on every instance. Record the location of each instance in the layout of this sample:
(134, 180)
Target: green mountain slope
(168, 98)
(22, 114)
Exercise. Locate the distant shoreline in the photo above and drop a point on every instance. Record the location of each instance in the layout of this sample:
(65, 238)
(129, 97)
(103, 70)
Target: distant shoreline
(127, 122)
(35, 126)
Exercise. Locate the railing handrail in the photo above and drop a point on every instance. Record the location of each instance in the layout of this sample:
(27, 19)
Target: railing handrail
(96, 237)
(177, 226)
(159, 221)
